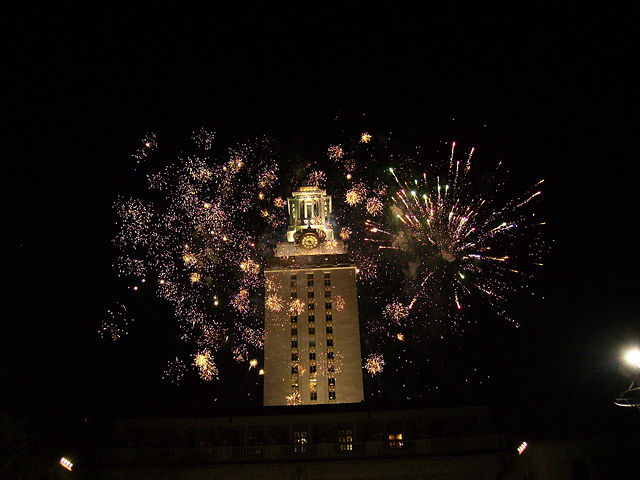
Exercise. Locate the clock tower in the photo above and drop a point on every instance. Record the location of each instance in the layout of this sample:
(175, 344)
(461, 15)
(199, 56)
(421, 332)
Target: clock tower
(312, 334)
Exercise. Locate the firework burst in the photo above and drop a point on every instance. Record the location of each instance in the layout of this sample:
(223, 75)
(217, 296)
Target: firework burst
(456, 243)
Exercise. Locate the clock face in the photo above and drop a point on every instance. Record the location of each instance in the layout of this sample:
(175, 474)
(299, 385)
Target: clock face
(309, 241)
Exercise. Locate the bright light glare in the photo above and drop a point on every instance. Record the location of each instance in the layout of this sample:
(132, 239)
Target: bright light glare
(523, 446)
(66, 463)
(632, 357)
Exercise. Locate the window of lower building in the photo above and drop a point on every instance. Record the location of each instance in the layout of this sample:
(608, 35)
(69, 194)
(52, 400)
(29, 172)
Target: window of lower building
(328, 318)
(329, 342)
(294, 357)
(300, 441)
(329, 329)
(294, 344)
(345, 439)
(312, 318)
(332, 395)
(294, 319)
(395, 440)
(312, 369)
(313, 395)
(331, 380)
(327, 306)
(329, 354)
(312, 356)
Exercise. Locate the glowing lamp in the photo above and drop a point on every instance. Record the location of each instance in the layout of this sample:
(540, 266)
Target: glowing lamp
(66, 463)
(632, 357)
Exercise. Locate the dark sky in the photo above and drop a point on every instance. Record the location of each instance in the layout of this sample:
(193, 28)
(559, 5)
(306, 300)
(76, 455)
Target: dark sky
(551, 92)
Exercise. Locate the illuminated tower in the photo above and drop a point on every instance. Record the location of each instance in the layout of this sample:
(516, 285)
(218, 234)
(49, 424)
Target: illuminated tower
(312, 336)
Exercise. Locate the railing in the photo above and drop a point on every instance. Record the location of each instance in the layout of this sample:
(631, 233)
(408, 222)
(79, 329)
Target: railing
(317, 451)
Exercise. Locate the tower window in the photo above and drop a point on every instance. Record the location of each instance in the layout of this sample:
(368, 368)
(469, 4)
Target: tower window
(293, 284)
(330, 342)
(312, 356)
(313, 395)
(294, 344)
(293, 277)
(332, 395)
(294, 357)
(312, 369)
(329, 354)
(327, 306)
(309, 276)
(328, 318)
(332, 381)
(312, 343)
(294, 319)
(294, 369)
(327, 294)
(309, 283)
(327, 275)
(311, 306)
(312, 331)
(294, 295)
(327, 282)
(312, 318)
(329, 329)
(310, 295)
(294, 332)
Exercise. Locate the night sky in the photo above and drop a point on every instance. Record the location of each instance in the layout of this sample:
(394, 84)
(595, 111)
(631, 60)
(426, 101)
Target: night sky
(551, 93)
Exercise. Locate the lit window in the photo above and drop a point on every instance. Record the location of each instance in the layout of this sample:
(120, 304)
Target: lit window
(300, 441)
(345, 439)
(395, 440)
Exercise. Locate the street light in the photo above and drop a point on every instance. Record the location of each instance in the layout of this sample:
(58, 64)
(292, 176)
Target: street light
(631, 396)
(632, 357)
